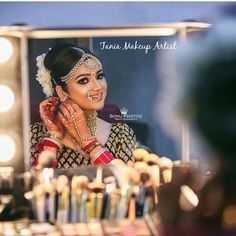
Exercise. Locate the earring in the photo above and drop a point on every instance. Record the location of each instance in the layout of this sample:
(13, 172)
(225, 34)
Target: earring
(63, 98)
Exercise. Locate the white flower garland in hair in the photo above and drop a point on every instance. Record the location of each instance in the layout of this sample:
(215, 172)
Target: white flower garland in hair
(43, 76)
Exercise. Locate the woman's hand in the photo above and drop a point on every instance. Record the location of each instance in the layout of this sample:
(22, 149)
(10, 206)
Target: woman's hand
(73, 119)
(49, 117)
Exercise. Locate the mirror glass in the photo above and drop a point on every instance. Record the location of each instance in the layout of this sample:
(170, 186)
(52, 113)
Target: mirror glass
(131, 70)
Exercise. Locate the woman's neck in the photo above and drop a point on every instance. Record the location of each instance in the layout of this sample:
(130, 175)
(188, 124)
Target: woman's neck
(90, 112)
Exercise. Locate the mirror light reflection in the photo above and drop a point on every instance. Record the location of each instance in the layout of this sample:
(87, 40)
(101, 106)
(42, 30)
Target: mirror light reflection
(6, 49)
(7, 98)
(7, 147)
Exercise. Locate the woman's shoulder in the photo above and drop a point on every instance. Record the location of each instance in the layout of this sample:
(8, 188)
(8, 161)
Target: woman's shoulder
(120, 125)
(122, 128)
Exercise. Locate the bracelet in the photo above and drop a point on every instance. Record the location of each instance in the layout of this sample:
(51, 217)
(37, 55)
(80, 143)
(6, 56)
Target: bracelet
(92, 147)
(102, 157)
(49, 142)
(89, 145)
(54, 137)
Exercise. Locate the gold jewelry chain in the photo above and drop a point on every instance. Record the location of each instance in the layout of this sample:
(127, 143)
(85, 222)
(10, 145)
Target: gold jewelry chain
(92, 123)
(80, 135)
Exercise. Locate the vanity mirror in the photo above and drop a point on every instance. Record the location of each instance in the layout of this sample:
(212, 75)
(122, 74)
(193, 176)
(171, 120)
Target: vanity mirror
(130, 57)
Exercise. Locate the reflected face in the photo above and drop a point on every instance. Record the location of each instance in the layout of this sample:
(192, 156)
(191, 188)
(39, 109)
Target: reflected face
(88, 88)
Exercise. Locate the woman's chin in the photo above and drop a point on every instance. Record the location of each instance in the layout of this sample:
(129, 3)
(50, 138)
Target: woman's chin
(95, 106)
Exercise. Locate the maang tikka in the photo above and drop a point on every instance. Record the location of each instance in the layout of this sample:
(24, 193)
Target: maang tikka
(88, 60)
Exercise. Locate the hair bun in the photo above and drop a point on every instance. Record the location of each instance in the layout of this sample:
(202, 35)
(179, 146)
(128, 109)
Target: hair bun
(53, 53)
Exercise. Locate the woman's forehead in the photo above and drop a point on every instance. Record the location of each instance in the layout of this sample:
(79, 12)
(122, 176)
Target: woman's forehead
(83, 69)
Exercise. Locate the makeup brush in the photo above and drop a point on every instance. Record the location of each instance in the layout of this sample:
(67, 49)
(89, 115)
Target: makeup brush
(82, 198)
(39, 200)
(166, 166)
(45, 159)
(153, 161)
(140, 154)
(74, 199)
(99, 174)
(145, 196)
(50, 189)
(131, 178)
(111, 187)
(63, 199)
(96, 200)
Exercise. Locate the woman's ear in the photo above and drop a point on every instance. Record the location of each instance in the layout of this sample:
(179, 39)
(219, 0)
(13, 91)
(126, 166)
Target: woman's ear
(61, 94)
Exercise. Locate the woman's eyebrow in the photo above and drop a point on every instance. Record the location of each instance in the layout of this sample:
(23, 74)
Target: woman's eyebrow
(99, 71)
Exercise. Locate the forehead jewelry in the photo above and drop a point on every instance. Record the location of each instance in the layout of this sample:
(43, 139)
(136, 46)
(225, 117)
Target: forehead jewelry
(90, 61)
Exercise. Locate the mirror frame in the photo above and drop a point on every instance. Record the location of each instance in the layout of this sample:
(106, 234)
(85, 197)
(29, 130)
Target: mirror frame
(25, 33)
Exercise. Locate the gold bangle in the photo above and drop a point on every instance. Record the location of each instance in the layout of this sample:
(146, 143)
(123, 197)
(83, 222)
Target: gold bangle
(92, 147)
(53, 136)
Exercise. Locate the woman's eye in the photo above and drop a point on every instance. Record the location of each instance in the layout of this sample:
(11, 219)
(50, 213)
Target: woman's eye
(100, 76)
(83, 81)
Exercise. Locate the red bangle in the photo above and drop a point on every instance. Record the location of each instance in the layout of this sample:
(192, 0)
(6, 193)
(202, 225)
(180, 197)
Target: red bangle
(48, 143)
(86, 148)
(102, 157)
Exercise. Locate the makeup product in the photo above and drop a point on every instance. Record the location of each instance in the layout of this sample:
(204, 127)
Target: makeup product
(68, 230)
(132, 207)
(131, 178)
(39, 202)
(99, 175)
(148, 191)
(153, 162)
(115, 197)
(42, 228)
(50, 190)
(96, 200)
(63, 199)
(82, 229)
(111, 199)
(82, 198)
(140, 154)
(95, 229)
(74, 200)
(166, 166)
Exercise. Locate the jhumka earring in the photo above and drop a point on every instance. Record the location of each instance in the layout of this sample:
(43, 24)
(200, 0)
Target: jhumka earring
(63, 98)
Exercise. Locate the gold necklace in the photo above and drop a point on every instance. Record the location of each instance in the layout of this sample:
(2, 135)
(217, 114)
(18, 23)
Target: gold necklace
(92, 122)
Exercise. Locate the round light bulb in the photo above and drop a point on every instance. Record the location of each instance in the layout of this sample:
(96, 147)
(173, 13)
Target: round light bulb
(7, 98)
(7, 147)
(6, 49)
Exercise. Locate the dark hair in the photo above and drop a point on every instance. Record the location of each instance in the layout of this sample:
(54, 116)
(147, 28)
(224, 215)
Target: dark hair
(61, 59)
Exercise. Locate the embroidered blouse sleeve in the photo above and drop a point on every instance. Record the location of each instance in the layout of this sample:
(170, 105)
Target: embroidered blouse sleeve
(37, 132)
(126, 143)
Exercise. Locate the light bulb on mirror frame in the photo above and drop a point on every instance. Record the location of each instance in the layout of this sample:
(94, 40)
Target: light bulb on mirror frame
(7, 147)
(7, 98)
(6, 49)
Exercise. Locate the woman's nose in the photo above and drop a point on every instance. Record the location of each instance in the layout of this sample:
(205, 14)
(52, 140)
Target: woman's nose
(96, 84)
